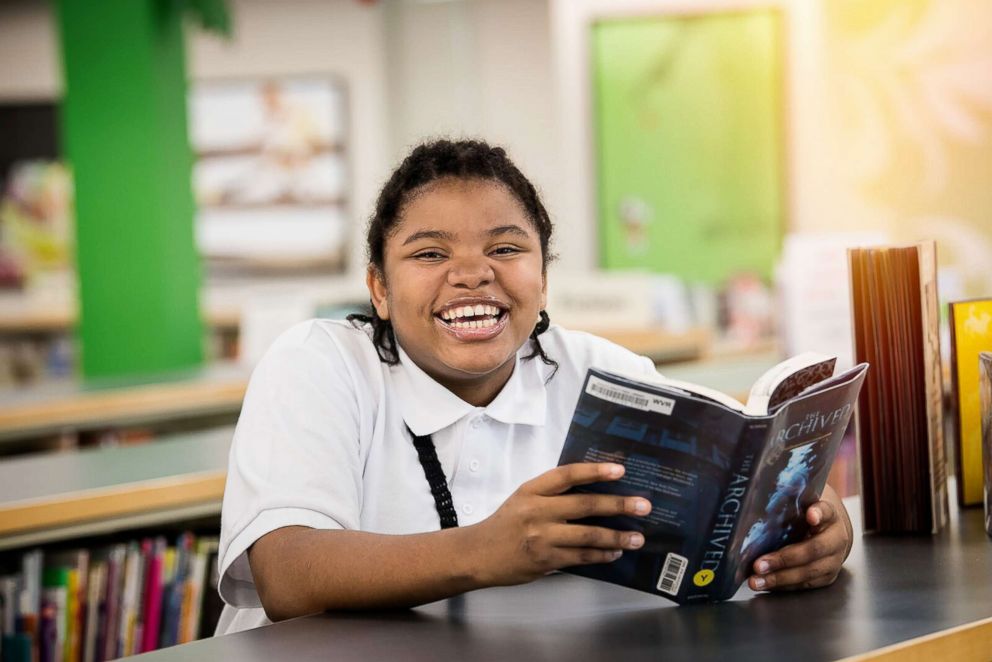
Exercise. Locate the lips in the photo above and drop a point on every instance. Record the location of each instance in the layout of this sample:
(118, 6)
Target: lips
(472, 319)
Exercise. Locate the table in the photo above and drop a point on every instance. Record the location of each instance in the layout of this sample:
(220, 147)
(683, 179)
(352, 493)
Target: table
(893, 589)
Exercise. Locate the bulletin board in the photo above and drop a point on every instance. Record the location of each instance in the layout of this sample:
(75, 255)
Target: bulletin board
(688, 117)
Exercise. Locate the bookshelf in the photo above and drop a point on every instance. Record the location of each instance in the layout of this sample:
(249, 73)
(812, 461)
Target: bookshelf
(51, 408)
(63, 496)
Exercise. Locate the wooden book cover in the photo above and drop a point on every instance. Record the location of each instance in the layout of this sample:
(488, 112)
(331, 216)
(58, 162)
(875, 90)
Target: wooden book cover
(900, 416)
(971, 333)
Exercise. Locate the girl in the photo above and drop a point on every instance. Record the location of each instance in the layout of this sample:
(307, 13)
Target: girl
(409, 455)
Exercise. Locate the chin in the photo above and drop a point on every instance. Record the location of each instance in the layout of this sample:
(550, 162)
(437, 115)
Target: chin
(478, 366)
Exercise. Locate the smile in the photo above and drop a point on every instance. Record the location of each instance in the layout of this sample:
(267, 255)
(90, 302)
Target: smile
(478, 321)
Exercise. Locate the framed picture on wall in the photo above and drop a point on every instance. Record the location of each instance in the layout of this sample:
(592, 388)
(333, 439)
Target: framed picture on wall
(270, 173)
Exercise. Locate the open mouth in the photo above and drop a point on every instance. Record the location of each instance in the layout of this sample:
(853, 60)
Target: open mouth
(468, 317)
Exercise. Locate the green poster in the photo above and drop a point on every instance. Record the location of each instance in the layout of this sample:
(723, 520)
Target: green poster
(689, 140)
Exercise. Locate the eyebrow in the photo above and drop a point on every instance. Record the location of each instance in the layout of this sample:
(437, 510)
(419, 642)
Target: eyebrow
(448, 236)
(508, 229)
(429, 234)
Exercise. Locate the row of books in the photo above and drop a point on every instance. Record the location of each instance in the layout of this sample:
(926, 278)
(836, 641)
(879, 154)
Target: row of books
(87, 605)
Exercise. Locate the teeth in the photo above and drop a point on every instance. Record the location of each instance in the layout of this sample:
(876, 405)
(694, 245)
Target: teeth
(452, 315)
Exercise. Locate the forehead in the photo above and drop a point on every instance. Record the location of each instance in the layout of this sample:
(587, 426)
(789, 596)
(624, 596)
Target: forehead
(464, 208)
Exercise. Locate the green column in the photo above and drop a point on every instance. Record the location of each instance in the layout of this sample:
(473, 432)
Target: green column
(124, 132)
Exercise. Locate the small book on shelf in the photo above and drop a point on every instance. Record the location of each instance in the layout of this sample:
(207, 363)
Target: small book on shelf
(985, 388)
(900, 418)
(971, 333)
(728, 481)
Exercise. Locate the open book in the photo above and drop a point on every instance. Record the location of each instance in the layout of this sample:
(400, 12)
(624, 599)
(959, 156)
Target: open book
(727, 481)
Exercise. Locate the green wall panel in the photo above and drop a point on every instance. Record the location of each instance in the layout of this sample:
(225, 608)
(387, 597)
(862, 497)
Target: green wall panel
(689, 143)
(124, 126)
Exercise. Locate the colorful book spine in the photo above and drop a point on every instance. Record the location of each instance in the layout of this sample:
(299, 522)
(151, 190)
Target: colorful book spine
(153, 597)
(123, 599)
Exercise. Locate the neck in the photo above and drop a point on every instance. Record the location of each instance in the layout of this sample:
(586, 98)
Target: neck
(480, 391)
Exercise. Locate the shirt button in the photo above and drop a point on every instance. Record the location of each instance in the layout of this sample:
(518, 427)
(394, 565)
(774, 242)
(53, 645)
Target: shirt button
(468, 509)
(474, 465)
(477, 422)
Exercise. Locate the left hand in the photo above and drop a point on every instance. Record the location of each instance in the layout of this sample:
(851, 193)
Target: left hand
(812, 563)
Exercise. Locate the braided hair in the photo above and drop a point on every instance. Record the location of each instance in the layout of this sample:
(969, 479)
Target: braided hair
(441, 159)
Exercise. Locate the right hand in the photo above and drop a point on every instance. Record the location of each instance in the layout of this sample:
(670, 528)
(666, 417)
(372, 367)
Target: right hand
(530, 535)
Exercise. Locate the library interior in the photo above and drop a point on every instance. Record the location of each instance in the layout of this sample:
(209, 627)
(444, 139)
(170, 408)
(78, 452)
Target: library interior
(784, 205)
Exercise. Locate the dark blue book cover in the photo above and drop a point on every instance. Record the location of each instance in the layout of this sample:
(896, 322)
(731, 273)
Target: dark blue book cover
(725, 486)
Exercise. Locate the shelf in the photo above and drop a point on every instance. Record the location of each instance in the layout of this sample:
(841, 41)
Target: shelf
(68, 495)
(70, 405)
(658, 345)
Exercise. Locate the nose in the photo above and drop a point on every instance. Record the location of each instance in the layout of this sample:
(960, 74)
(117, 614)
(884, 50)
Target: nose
(470, 273)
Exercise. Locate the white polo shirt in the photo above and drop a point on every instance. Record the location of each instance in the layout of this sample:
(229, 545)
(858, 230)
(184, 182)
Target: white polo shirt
(322, 441)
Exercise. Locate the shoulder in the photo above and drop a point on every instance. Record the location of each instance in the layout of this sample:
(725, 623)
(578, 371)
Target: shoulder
(320, 346)
(577, 351)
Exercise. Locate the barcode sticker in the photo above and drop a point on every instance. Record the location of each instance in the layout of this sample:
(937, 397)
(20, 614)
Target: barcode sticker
(627, 396)
(671, 573)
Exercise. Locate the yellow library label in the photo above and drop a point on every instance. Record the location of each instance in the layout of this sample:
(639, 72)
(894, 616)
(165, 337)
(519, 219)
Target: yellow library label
(703, 577)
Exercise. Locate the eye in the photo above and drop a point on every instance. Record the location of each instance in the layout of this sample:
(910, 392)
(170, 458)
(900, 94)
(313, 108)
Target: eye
(428, 255)
(505, 250)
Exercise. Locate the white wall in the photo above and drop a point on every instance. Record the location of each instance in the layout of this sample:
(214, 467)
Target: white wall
(477, 68)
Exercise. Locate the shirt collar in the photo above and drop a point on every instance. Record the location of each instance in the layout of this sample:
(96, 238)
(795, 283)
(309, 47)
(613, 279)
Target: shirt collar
(427, 407)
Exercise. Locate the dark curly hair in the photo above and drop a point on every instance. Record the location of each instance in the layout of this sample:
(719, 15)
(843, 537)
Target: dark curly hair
(429, 162)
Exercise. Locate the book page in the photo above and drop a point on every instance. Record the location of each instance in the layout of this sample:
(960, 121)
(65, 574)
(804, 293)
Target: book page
(788, 379)
(686, 387)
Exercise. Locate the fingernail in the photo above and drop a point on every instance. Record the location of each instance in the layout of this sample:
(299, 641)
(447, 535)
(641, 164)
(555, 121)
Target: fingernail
(615, 470)
(816, 515)
(642, 506)
(759, 583)
(762, 567)
(615, 555)
(635, 540)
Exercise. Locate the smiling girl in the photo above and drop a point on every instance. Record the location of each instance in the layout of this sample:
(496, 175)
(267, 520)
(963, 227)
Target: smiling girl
(409, 455)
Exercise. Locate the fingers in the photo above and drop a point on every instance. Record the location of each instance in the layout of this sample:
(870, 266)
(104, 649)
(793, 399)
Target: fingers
(577, 535)
(568, 556)
(811, 563)
(815, 575)
(580, 506)
(820, 516)
(560, 479)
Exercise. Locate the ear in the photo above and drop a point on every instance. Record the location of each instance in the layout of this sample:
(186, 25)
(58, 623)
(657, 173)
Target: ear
(377, 291)
(544, 291)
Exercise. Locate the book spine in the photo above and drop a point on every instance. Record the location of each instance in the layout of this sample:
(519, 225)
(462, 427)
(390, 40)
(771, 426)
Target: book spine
(716, 577)
(153, 598)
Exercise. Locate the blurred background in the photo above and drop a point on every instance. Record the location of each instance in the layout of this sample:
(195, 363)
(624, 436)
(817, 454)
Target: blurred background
(183, 180)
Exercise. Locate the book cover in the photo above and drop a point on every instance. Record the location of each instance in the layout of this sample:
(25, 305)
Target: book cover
(725, 485)
(971, 333)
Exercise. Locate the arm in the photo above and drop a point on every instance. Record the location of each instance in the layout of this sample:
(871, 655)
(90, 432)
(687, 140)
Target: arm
(814, 562)
(298, 570)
